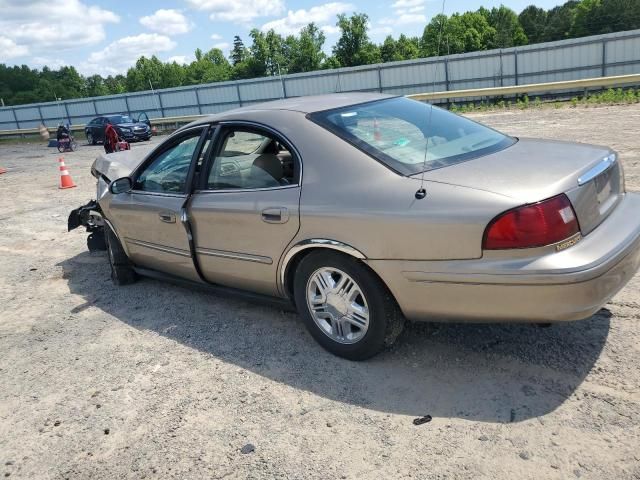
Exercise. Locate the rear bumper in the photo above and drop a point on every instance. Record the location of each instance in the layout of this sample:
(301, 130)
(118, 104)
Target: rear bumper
(553, 286)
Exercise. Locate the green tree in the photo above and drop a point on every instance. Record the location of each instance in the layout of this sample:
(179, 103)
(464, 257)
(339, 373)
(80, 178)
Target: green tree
(509, 32)
(559, 22)
(533, 20)
(305, 53)
(354, 47)
(239, 51)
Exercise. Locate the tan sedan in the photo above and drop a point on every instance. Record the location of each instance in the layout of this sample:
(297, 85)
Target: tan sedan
(364, 209)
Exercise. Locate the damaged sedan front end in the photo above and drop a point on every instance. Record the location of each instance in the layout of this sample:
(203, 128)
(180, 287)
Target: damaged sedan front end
(104, 169)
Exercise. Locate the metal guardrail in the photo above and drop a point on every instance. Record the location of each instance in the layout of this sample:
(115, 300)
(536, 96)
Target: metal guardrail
(549, 87)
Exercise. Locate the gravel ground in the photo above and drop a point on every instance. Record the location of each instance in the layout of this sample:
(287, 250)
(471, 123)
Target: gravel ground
(158, 381)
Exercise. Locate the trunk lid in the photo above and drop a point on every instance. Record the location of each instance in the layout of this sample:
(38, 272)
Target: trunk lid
(119, 164)
(533, 170)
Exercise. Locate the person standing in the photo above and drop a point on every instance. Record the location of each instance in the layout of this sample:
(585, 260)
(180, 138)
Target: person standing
(110, 138)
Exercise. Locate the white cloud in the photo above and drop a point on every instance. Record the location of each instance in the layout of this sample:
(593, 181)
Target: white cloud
(39, 25)
(9, 49)
(406, 12)
(215, 36)
(180, 59)
(222, 45)
(381, 30)
(239, 11)
(167, 21)
(322, 15)
(118, 56)
(52, 63)
(330, 29)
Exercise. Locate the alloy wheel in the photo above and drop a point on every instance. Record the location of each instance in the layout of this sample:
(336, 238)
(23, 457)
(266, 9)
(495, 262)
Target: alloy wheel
(337, 305)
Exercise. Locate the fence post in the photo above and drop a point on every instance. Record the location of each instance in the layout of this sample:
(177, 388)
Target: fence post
(515, 63)
(501, 70)
(40, 114)
(95, 108)
(15, 117)
(126, 102)
(160, 103)
(446, 74)
(604, 58)
(238, 92)
(66, 110)
(198, 101)
(380, 78)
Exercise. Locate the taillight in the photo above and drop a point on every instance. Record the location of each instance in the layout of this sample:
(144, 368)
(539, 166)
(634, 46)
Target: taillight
(534, 225)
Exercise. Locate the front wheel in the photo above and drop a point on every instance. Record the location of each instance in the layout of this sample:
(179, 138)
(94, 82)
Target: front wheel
(122, 272)
(345, 307)
(61, 147)
(91, 140)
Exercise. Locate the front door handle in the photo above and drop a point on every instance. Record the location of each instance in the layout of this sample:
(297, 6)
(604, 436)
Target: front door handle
(275, 215)
(167, 217)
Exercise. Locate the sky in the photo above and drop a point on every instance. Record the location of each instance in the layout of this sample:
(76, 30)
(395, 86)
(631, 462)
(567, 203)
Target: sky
(108, 36)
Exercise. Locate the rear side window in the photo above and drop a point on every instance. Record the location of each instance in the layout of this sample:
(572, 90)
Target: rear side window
(251, 159)
(410, 136)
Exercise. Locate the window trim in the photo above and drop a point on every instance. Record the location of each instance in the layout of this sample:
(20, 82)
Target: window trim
(169, 143)
(249, 125)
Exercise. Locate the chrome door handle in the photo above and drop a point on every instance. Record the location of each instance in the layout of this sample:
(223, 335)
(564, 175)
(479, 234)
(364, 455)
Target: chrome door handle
(275, 215)
(167, 217)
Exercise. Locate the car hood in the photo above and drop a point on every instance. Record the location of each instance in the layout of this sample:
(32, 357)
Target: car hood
(131, 125)
(119, 164)
(530, 170)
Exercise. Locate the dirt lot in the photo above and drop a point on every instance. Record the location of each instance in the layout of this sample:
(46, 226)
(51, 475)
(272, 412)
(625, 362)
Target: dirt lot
(158, 381)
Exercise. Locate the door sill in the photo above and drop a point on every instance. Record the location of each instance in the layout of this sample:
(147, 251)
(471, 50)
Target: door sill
(282, 303)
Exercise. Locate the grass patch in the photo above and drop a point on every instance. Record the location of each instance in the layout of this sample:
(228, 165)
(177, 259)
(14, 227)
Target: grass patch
(611, 96)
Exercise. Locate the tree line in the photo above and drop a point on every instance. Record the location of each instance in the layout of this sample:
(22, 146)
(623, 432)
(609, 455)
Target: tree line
(270, 53)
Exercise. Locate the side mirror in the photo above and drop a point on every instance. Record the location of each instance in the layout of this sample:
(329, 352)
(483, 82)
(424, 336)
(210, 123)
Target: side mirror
(121, 185)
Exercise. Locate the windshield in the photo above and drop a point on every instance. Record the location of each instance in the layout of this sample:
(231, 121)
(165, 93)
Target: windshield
(116, 119)
(398, 132)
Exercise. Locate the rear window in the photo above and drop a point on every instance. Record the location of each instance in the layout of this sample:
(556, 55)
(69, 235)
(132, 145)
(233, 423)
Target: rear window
(410, 136)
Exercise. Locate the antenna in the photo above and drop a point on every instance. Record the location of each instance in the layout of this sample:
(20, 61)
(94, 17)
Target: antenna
(421, 192)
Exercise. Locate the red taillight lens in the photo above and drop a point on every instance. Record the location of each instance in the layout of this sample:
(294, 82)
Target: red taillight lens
(536, 225)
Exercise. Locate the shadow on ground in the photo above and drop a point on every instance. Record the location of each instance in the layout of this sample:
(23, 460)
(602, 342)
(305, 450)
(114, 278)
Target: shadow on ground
(492, 373)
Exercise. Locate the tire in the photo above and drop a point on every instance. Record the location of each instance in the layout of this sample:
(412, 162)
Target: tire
(91, 139)
(122, 272)
(73, 145)
(354, 294)
(61, 148)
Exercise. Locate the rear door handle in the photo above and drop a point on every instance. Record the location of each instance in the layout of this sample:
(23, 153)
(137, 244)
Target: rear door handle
(167, 217)
(275, 215)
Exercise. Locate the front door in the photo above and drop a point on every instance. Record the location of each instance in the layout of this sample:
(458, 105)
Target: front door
(148, 219)
(246, 210)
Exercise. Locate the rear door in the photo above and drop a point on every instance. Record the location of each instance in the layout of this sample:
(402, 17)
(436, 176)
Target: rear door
(246, 210)
(149, 218)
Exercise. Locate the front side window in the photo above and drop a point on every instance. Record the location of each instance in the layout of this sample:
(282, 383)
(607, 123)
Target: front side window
(168, 171)
(410, 136)
(249, 159)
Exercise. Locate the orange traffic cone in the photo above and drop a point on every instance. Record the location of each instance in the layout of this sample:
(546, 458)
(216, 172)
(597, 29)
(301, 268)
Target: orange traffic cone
(65, 178)
(377, 136)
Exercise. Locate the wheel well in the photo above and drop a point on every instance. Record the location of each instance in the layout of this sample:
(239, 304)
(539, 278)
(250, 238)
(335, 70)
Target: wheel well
(292, 266)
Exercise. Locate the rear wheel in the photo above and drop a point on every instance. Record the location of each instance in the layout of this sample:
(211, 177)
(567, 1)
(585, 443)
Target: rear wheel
(345, 307)
(122, 272)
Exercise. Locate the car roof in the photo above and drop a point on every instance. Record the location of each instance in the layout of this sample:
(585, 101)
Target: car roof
(309, 104)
